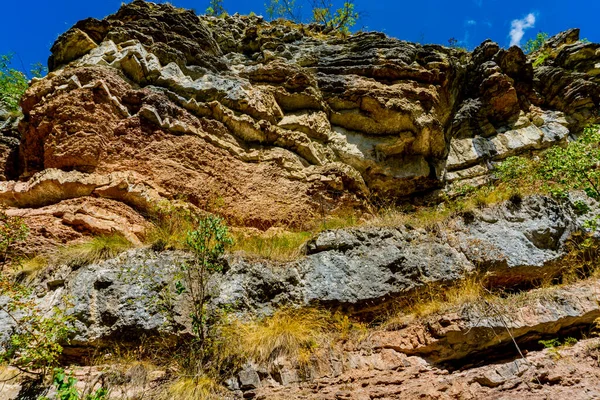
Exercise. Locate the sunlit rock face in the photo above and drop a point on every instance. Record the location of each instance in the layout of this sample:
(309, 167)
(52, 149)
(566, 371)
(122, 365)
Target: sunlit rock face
(276, 123)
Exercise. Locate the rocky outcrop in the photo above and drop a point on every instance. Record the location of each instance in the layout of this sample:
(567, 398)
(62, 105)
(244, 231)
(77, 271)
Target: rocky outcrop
(494, 344)
(9, 145)
(546, 374)
(111, 300)
(357, 270)
(273, 123)
(478, 330)
(360, 269)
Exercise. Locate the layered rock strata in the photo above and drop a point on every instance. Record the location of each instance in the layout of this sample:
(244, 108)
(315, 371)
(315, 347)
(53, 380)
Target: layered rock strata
(274, 123)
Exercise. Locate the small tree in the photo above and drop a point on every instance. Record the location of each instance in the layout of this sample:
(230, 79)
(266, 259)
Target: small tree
(215, 8)
(35, 345)
(533, 45)
(13, 84)
(207, 244)
(340, 20)
(283, 9)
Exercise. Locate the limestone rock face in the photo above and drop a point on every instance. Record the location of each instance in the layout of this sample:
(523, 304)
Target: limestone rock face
(361, 269)
(274, 122)
(358, 270)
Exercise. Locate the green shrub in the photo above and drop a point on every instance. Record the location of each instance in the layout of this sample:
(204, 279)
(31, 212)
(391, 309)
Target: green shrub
(541, 59)
(533, 45)
(66, 390)
(559, 169)
(550, 343)
(575, 165)
(215, 8)
(36, 342)
(513, 169)
(13, 84)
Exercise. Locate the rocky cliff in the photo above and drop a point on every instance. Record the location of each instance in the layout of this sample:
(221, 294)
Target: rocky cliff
(274, 124)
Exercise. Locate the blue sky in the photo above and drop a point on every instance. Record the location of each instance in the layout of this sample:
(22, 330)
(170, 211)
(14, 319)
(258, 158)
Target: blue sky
(29, 28)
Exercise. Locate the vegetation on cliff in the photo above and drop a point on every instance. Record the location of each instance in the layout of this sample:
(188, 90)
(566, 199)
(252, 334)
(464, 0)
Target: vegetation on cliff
(14, 83)
(238, 204)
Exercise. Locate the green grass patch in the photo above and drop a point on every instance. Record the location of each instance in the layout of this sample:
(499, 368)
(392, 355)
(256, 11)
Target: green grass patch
(97, 249)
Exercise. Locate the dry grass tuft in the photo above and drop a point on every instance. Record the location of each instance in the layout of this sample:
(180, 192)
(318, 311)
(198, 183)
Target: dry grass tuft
(296, 334)
(277, 245)
(197, 388)
(171, 223)
(31, 267)
(427, 217)
(437, 299)
(9, 374)
(97, 249)
(289, 332)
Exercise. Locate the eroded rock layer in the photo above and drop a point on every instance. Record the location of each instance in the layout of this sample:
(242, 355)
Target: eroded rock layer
(270, 123)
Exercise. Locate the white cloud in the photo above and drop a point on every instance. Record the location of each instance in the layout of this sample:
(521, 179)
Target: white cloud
(518, 27)
(471, 22)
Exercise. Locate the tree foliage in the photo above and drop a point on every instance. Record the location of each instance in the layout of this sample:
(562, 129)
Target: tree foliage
(36, 342)
(13, 84)
(533, 45)
(284, 9)
(340, 20)
(215, 8)
(322, 12)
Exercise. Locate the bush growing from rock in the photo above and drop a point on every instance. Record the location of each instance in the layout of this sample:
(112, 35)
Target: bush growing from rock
(322, 13)
(559, 169)
(36, 342)
(66, 390)
(13, 84)
(215, 8)
(533, 45)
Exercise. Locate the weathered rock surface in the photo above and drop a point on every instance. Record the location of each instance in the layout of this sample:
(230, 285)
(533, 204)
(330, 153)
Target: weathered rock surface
(9, 145)
(358, 270)
(573, 374)
(478, 330)
(410, 359)
(111, 300)
(271, 123)
(361, 268)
